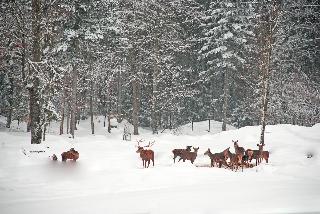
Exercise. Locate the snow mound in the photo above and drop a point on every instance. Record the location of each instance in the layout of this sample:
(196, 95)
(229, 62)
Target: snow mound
(109, 177)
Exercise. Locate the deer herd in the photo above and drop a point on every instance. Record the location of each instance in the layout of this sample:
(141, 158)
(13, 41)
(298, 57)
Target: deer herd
(241, 158)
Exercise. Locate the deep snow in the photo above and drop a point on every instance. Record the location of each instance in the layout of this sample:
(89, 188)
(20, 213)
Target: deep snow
(109, 178)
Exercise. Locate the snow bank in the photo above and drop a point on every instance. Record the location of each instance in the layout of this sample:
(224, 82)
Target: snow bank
(109, 178)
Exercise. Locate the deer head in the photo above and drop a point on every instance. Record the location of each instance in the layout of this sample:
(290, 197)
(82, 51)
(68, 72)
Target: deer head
(140, 148)
(260, 146)
(235, 142)
(188, 148)
(207, 152)
(226, 152)
(195, 149)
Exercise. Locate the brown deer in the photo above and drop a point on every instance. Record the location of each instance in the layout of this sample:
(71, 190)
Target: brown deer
(186, 155)
(235, 159)
(146, 155)
(217, 158)
(255, 154)
(265, 155)
(71, 154)
(178, 152)
(237, 148)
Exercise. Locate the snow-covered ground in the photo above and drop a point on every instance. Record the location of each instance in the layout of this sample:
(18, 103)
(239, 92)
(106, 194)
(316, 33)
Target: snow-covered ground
(109, 178)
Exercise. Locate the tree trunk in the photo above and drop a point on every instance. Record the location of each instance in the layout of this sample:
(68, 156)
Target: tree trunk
(119, 103)
(63, 102)
(225, 100)
(155, 74)
(34, 89)
(136, 106)
(91, 107)
(68, 119)
(10, 101)
(73, 101)
(44, 131)
(267, 42)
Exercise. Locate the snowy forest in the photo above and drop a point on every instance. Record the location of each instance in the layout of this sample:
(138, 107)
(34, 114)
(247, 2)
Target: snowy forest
(159, 63)
(159, 106)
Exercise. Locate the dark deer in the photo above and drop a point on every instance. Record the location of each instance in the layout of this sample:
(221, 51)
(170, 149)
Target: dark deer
(255, 154)
(178, 152)
(237, 148)
(146, 154)
(71, 154)
(265, 155)
(191, 156)
(217, 158)
(235, 159)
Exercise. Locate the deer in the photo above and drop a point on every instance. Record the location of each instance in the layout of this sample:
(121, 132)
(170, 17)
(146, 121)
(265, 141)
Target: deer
(255, 154)
(265, 155)
(217, 158)
(146, 154)
(235, 159)
(71, 154)
(178, 152)
(237, 148)
(186, 155)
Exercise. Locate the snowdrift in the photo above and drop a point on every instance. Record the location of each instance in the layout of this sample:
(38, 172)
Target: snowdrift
(108, 177)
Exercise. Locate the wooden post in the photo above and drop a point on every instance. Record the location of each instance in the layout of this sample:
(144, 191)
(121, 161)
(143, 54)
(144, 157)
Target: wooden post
(209, 125)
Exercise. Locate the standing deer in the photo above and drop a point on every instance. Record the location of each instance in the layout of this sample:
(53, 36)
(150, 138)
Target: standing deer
(186, 155)
(237, 148)
(146, 154)
(217, 158)
(255, 154)
(178, 152)
(235, 159)
(265, 155)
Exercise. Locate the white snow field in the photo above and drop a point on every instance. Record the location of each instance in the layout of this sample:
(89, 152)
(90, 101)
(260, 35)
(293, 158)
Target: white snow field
(109, 178)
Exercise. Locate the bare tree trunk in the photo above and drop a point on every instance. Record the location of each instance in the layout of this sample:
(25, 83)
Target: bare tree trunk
(119, 103)
(225, 101)
(91, 107)
(63, 102)
(155, 75)
(68, 119)
(10, 101)
(73, 101)
(44, 131)
(136, 106)
(267, 42)
(34, 89)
